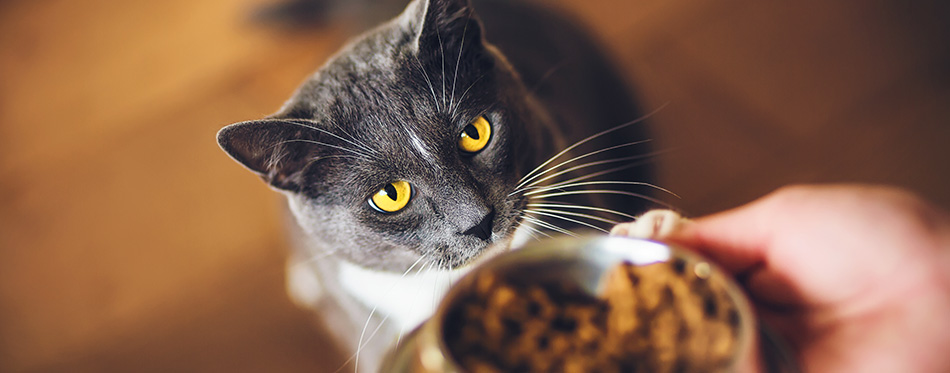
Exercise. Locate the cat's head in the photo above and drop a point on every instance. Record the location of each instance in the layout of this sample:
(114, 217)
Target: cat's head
(406, 144)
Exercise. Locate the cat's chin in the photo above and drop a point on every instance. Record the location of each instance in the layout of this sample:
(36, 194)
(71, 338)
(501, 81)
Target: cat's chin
(490, 251)
(501, 245)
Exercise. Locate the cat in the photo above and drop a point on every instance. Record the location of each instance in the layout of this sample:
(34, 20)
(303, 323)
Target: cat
(433, 141)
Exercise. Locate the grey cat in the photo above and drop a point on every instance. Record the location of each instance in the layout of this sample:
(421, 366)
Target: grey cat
(415, 152)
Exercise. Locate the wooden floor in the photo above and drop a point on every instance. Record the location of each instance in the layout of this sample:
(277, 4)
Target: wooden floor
(130, 242)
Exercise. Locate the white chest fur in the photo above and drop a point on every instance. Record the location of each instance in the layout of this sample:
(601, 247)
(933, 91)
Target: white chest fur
(408, 300)
(404, 300)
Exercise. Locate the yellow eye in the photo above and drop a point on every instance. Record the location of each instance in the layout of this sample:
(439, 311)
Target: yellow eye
(393, 197)
(475, 135)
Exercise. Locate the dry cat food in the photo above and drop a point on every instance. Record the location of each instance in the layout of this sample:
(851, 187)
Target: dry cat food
(662, 317)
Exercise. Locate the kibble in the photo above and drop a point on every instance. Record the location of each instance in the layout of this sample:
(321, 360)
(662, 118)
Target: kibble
(653, 318)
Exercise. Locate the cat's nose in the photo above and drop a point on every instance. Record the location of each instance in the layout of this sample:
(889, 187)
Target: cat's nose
(482, 230)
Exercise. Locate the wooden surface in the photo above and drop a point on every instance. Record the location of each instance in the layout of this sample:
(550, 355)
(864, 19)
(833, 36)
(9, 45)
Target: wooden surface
(130, 242)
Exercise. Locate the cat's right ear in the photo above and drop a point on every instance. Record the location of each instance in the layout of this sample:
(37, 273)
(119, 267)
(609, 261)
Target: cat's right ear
(279, 151)
(440, 25)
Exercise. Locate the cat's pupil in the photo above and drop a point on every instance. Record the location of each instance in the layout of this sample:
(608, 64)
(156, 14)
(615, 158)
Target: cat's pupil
(391, 191)
(471, 131)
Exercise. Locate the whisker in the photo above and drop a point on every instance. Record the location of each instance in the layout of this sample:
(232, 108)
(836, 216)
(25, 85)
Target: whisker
(558, 194)
(552, 204)
(604, 172)
(458, 61)
(435, 284)
(577, 214)
(566, 219)
(549, 226)
(586, 165)
(442, 52)
(359, 344)
(581, 157)
(538, 231)
(589, 138)
(547, 75)
(361, 144)
(462, 97)
(424, 270)
(530, 230)
(355, 358)
(325, 144)
(316, 159)
(608, 182)
(343, 365)
(312, 125)
(426, 75)
(412, 310)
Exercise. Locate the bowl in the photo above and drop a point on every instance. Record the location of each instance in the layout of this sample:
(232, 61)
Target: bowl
(595, 303)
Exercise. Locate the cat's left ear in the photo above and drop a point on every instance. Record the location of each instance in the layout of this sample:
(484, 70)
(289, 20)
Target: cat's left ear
(279, 151)
(444, 26)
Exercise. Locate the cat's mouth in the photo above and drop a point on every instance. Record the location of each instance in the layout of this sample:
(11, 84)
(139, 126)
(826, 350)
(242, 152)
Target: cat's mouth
(499, 234)
(494, 233)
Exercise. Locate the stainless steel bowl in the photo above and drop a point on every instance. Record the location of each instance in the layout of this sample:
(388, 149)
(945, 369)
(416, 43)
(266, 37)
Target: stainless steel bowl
(584, 264)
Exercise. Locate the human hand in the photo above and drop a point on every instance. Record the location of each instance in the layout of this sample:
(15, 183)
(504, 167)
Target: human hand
(855, 278)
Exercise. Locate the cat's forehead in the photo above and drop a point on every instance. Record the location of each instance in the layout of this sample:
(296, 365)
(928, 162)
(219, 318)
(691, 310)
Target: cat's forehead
(371, 76)
(408, 142)
(386, 67)
(379, 85)
(383, 94)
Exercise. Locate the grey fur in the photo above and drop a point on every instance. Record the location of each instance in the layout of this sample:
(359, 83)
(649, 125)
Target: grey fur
(349, 130)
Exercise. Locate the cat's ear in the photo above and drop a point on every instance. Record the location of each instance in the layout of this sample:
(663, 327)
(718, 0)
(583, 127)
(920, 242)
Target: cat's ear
(277, 150)
(444, 25)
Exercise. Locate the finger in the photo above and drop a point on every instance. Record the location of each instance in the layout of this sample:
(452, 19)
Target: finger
(787, 327)
(737, 239)
(773, 290)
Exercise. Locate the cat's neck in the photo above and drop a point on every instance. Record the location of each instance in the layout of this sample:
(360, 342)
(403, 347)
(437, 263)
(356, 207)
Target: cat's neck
(406, 300)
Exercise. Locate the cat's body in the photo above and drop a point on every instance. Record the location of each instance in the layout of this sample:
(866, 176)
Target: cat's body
(424, 108)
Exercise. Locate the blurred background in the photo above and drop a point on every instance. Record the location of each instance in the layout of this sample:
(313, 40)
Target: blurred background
(130, 242)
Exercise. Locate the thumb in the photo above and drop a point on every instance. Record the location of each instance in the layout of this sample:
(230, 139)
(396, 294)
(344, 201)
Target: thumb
(737, 239)
(743, 242)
